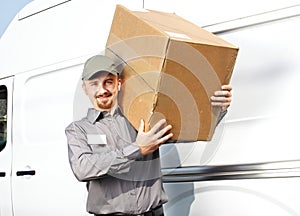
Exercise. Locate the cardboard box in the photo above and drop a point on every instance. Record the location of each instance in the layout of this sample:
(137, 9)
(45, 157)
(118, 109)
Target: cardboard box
(171, 68)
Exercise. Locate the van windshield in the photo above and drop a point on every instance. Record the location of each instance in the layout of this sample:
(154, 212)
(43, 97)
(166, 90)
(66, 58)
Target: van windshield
(3, 116)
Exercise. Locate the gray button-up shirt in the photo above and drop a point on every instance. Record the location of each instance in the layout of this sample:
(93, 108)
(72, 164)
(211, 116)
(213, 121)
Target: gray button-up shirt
(102, 151)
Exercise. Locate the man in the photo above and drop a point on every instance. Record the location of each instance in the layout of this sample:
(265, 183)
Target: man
(121, 165)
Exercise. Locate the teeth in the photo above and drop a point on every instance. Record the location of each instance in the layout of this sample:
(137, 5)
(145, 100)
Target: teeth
(102, 98)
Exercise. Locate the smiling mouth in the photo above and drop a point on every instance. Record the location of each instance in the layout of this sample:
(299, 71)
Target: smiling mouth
(103, 98)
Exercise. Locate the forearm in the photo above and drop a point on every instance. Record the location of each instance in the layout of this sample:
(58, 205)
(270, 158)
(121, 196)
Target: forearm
(90, 161)
(90, 166)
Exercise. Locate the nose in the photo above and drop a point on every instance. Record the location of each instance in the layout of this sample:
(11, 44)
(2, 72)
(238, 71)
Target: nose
(101, 89)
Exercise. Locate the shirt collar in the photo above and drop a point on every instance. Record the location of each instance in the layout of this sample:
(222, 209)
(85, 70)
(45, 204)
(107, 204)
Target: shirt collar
(93, 115)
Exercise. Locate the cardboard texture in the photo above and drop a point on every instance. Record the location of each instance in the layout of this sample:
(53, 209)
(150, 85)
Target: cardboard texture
(170, 69)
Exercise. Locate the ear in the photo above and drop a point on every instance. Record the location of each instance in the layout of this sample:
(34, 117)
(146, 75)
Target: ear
(84, 88)
(119, 84)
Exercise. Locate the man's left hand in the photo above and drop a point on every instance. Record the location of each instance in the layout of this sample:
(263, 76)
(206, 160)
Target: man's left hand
(222, 98)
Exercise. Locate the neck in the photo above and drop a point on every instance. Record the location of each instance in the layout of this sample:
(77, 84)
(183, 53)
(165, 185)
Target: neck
(111, 110)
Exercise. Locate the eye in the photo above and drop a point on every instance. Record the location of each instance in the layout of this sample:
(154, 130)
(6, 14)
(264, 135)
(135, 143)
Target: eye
(109, 81)
(93, 83)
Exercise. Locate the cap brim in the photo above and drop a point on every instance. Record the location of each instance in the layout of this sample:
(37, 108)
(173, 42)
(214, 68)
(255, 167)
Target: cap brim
(96, 73)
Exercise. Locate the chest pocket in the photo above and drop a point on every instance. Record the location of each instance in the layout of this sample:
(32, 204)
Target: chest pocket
(96, 139)
(98, 142)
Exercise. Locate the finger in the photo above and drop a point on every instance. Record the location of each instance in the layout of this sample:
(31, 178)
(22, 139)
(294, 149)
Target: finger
(220, 103)
(226, 87)
(222, 93)
(224, 105)
(157, 126)
(161, 132)
(220, 99)
(142, 126)
(165, 138)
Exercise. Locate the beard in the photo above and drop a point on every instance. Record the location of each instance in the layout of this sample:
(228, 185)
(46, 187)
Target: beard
(104, 102)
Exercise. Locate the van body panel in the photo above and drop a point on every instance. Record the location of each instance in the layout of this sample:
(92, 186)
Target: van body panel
(279, 197)
(211, 13)
(66, 31)
(253, 160)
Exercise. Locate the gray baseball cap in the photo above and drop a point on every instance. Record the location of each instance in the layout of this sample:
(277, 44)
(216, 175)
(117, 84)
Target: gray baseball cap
(96, 64)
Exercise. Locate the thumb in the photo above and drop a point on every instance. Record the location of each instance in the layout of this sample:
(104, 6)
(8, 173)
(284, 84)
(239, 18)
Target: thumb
(142, 126)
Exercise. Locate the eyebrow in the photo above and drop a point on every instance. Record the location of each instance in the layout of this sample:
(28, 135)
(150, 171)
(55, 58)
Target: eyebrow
(108, 77)
(92, 81)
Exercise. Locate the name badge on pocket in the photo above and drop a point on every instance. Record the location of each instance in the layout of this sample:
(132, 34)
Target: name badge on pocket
(96, 139)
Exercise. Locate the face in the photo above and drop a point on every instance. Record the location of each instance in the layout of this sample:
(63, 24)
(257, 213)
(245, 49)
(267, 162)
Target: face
(103, 90)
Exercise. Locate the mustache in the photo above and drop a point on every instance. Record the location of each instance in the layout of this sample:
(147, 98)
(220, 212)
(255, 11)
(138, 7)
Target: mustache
(105, 94)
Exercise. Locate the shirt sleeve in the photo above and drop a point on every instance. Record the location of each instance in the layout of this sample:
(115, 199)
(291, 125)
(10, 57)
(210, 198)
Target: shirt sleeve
(221, 116)
(91, 162)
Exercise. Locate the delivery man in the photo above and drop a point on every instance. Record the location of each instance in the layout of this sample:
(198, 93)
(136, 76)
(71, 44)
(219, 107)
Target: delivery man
(120, 164)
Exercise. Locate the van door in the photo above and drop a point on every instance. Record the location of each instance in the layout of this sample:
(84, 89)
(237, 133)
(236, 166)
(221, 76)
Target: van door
(42, 180)
(5, 145)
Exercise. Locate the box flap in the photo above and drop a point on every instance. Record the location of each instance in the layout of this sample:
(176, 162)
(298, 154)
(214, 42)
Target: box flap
(126, 25)
(180, 29)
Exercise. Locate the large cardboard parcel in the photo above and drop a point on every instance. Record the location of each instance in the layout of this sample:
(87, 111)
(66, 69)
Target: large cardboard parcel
(171, 68)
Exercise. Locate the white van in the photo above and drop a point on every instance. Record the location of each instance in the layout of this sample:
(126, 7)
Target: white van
(252, 165)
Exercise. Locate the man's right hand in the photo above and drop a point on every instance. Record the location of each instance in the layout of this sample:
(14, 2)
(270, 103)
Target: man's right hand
(149, 141)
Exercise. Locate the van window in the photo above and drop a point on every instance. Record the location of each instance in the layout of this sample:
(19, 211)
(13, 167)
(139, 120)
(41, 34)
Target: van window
(3, 116)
